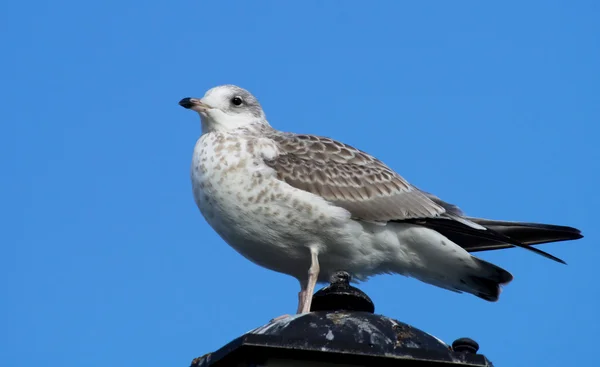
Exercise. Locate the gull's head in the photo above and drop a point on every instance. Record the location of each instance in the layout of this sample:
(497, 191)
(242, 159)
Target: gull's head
(226, 107)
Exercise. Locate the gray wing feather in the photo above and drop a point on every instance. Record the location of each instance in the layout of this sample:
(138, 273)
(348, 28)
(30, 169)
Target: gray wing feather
(349, 178)
(453, 212)
(450, 208)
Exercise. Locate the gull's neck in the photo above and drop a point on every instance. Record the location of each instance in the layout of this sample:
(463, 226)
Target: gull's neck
(257, 125)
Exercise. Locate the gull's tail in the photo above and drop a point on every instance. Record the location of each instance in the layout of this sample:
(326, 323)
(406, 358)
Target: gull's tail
(486, 282)
(476, 234)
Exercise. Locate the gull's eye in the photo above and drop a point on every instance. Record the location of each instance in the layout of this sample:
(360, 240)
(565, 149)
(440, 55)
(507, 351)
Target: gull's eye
(237, 101)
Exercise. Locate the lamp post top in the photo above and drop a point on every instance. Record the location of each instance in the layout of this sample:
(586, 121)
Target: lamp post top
(343, 328)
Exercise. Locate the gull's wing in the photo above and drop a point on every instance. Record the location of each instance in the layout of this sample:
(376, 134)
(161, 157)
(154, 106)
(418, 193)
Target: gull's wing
(349, 178)
(371, 191)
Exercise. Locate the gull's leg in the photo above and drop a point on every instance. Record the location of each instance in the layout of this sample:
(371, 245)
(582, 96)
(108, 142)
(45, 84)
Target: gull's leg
(301, 300)
(308, 287)
(302, 295)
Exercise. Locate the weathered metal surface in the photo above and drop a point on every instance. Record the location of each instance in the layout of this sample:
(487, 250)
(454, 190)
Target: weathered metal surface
(343, 329)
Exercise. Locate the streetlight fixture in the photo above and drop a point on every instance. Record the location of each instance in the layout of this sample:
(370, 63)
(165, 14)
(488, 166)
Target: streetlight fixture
(341, 330)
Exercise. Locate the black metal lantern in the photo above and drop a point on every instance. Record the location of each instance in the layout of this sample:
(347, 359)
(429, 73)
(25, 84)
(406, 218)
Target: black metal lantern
(341, 330)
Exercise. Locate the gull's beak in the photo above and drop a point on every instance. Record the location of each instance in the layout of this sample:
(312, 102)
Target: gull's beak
(194, 104)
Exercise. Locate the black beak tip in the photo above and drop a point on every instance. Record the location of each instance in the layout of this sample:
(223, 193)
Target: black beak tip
(186, 103)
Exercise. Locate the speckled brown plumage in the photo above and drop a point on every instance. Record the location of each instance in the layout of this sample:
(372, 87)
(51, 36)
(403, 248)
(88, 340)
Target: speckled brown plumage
(350, 178)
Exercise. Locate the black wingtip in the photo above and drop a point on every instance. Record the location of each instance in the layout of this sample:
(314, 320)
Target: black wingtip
(502, 234)
(527, 247)
(540, 252)
(561, 261)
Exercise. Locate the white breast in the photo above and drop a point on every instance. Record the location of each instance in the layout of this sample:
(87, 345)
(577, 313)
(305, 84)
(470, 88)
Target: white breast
(263, 218)
(225, 176)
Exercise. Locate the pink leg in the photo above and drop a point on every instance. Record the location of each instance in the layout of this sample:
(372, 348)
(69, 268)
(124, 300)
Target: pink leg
(301, 301)
(301, 295)
(308, 287)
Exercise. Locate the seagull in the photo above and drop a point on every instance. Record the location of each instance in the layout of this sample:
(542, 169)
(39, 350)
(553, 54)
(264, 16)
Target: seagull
(309, 206)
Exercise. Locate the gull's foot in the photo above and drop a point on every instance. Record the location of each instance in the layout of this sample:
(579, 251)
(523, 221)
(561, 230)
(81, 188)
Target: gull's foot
(279, 318)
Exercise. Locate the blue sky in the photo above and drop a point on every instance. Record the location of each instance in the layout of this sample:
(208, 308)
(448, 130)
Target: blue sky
(107, 261)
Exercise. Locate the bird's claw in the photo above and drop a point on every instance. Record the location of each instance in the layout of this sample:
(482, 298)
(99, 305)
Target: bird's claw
(279, 318)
